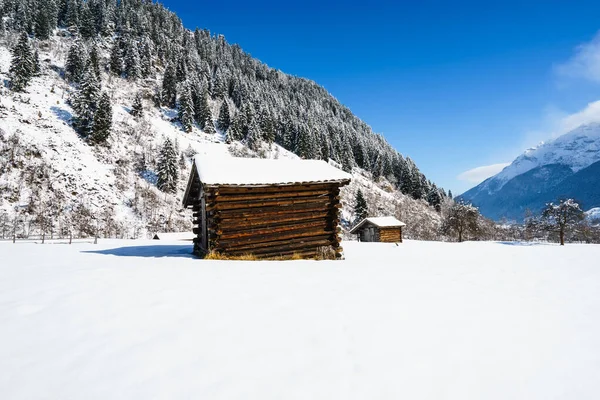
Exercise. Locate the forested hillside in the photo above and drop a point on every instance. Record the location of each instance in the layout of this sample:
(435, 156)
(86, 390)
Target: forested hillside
(121, 65)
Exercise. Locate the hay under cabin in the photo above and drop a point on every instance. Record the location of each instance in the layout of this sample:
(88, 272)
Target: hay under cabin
(379, 229)
(264, 207)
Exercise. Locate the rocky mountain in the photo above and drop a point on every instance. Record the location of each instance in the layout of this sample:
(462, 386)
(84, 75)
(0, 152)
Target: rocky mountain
(567, 167)
(95, 92)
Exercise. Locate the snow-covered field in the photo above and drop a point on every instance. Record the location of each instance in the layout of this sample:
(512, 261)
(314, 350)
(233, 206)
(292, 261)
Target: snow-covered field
(423, 320)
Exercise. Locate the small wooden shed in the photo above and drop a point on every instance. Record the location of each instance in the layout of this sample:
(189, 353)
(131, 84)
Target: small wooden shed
(264, 207)
(379, 229)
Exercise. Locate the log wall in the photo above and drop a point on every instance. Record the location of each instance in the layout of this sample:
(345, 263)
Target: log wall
(390, 235)
(268, 222)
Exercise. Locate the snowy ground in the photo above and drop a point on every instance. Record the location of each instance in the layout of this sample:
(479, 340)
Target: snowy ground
(144, 320)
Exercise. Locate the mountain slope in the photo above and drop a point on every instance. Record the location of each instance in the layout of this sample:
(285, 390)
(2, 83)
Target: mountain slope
(568, 166)
(49, 174)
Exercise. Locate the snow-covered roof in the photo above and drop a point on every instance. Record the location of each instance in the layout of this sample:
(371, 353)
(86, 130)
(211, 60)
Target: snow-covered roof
(257, 171)
(174, 236)
(381, 222)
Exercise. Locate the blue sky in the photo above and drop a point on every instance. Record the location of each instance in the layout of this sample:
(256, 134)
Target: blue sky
(454, 85)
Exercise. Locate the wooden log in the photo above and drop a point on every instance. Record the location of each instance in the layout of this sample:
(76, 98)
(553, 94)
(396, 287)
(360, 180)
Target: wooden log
(271, 219)
(269, 196)
(238, 234)
(244, 224)
(286, 247)
(273, 210)
(222, 190)
(268, 203)
(301, 233)
(248, 247)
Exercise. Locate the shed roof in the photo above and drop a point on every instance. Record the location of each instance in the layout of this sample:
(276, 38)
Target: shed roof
(257, 171)
(380, 222)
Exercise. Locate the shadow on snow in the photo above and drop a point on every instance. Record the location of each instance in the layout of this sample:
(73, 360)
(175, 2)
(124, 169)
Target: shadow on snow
(148, 251)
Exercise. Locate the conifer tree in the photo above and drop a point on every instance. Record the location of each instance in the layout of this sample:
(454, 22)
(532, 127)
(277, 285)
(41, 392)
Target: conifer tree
(361, 210)
(76, 62)
(72, 15)
(206, 119)
(85, 104)
(102, 120)
(132, 62)
(42, 21)
(94, 61)
(186, 109)
(254, 136)
(169, 87)
(224, 119)
(86, 24)
(235, 130)
(167, 169)
(116, 59)
(137, 109)
(22, 65)
(36, 62)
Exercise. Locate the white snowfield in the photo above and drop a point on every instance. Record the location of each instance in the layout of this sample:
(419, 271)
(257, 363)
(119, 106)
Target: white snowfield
(422, 320)
(218, 170)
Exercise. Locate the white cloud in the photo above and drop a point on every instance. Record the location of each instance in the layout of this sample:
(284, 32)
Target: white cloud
(585, 63)
(480, 174)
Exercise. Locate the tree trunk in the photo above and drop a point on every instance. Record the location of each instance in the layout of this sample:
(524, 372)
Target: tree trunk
(562, 236)
(460, 236)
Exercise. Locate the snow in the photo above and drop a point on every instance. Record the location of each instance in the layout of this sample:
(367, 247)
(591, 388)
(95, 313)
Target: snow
(422, 320)
(578, 149)
(593, 214)
(257, 171)
(174, 236)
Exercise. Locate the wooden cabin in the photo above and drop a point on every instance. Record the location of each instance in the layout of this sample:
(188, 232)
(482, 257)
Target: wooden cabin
(379, 229)
(264, 207)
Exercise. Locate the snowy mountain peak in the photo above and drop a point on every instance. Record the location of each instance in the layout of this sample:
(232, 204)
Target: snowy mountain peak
(576, 149)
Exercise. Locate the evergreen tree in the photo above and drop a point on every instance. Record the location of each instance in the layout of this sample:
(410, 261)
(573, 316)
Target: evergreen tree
(167, 169)
(85, 104)
(87, 27)
(72, 15)
(450, 194)
(361, 210)
(22, 67)
(235, 130)
(206, 120)
(132, 62)
(94, 61)
(253, 138)
(435, 199)
(43, 25)
(102, 120)
(137, 109)
(76, 62)
(169, 87)
(186, 109)
(36, 62)
(116, 59)
(224, 119)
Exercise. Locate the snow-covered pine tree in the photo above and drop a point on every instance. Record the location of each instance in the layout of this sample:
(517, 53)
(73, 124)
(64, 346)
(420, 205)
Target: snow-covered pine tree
(94, 61)
(169, 87)
(137, 108)
(235, 129)
(146, 58)
(206, 124)
(43, 24)
(86, 25)
(361, 210)
(36, 62)
(85, 103)
(102, 120)
(132, 61)
(116, 59)
(76, 62)
(186, 108)
(434, 198)
(167, 168)
(253, 139)
(224, 119)
(266, 125)
(22, 65)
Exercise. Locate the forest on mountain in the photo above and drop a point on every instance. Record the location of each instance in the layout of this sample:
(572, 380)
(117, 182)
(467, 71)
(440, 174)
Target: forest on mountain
(257, 104)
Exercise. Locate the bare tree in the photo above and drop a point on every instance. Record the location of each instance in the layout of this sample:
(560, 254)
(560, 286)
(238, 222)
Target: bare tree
(562, 216)
(461, 219)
